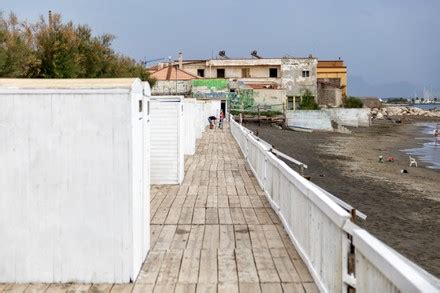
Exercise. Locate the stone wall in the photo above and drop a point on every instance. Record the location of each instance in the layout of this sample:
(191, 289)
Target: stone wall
(329, 95)
(168, 87)
(317, 120)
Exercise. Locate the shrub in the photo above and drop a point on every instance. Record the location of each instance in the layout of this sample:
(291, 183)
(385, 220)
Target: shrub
(308, 102)
(352, 102)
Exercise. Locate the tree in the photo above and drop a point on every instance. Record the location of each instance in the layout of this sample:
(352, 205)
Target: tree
(55, 49)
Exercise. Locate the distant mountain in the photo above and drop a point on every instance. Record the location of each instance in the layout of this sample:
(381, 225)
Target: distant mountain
(357, 86)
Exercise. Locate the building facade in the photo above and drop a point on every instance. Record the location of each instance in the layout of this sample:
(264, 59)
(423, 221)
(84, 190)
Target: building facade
(333, 71)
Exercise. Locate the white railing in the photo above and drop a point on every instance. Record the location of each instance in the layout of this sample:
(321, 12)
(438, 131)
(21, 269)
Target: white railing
(322, 231)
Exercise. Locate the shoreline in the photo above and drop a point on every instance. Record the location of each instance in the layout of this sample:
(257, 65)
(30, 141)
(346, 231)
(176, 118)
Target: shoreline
(403, 209)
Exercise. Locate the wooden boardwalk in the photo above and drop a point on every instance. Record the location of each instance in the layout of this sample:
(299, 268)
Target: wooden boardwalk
(214, 233)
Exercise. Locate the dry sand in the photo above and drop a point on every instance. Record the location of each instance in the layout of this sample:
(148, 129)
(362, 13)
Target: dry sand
(403, 209)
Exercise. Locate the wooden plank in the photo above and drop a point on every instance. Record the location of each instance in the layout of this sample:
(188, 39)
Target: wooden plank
(199, 216)
(160, 216)
(212, 237)
(250, 288)
(189, 270)
(208, 267)
(242, 237)
(247, 272)
(143, 288)
(273, 216)
(169, 270)
(227, 269)
(228, 288)
(161, 288)
(273, 238)
(186, 216)
(241, 191)
(234, 202)
(224, 216)
(293, 287)
(15, 288)
(34, 288)
(271, 288)
(223, 202)
(173, 216)
(263, 216)
(154, 233)
(231, 190)
(256, 202)
(201, 200)
(122, 288)
(257, 236)
(211, 216)
(212, 201)
(245, 202)
(310, 288)
(185, 288)
(98, 288)
(286, 270)
(265, 266)
(151, 268)
(195, 240)
(206, 288)
(250, 216)
(237, 216)
(181, 237)
(227, 239)
(165, 237)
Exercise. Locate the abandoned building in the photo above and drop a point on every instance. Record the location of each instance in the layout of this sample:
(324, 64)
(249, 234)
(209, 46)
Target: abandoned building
(266, 82)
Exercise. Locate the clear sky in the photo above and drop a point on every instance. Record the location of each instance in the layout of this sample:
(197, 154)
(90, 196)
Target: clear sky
(388, 45)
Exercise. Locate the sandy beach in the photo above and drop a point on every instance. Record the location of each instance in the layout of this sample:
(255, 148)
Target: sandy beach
(403, 209)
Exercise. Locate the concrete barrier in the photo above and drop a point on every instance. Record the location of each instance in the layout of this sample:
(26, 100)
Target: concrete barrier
(311, 119)
(350, 117)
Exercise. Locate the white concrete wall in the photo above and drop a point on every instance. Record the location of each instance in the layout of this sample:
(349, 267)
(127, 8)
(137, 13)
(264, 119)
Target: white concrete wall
(71, 185)
(190, 124)
(167, 144)
(350, 117)
(270, 97)
(318, 120)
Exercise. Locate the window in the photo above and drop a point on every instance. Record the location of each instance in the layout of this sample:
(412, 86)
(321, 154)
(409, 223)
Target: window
(273, 72)
(221, 73)
(289, 103)
(201, 72)
(306, 73)
(245, 72)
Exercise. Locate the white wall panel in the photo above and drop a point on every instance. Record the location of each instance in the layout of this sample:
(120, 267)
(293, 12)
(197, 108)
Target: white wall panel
(71, 182)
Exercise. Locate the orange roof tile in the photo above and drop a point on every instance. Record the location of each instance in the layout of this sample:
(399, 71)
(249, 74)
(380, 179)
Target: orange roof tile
(172, 73)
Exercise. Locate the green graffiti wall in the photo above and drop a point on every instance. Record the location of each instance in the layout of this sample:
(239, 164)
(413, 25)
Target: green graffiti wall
(217, 84)
(243, 99)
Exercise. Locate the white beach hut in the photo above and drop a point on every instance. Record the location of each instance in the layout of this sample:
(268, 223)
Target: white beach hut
(191, 125)
(72, 204)
(167, 140)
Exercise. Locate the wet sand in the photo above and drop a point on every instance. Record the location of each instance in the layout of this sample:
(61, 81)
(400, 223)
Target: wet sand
(403, 209)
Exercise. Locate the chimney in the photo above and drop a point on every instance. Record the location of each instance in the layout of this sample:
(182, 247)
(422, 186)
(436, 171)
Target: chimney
(180, 60)
(50, 19)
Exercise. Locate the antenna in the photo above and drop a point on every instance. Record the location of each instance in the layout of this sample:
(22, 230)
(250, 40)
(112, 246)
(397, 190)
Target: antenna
(254, 53)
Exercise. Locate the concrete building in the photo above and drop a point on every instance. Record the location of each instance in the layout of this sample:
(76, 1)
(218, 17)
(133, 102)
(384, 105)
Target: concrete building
(333, 71)
(271, 80)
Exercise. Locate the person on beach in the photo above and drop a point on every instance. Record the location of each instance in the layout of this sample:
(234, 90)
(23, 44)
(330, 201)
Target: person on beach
(436, 136)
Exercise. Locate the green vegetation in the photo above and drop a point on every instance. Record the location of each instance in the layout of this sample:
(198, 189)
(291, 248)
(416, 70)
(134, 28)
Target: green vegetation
(397, 101)
(218, 84)
(55, 49)
(352, 102)
(308, 102)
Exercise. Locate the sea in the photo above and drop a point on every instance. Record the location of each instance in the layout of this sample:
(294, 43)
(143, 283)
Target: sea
(426, 106)
(428, 152)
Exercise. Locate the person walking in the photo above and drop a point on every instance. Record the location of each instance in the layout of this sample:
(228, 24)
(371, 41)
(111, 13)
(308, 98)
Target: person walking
(221, 118)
